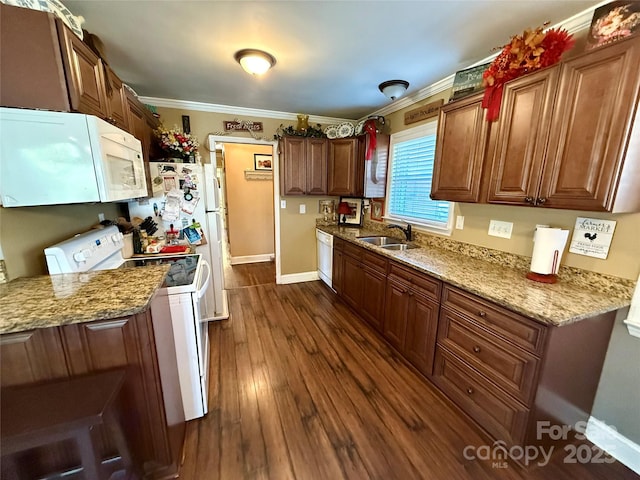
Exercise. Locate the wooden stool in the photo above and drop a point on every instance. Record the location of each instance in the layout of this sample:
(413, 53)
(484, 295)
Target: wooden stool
(37, 415)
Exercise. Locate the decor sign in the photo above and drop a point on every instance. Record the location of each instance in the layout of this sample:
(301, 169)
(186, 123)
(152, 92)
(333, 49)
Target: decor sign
(592, 237)
(612, 22)
(422, 113)
(236, 125)
(468, 81)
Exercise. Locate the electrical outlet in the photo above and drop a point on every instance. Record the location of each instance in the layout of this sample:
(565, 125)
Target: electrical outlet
(283, 204)
(303, 208)
(101, 217)
(500, 229)
(459, 222)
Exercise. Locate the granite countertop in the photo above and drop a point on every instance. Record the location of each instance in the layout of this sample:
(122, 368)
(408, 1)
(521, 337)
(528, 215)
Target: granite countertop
(49, 301)
(555, 304)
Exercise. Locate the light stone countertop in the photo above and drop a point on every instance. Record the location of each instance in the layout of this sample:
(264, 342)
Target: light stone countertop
(558, 304)
(49, 301)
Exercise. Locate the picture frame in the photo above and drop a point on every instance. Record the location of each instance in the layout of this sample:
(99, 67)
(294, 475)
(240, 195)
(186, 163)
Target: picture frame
(262, 162)
(355, 217)
(377, 209)
(612, 22)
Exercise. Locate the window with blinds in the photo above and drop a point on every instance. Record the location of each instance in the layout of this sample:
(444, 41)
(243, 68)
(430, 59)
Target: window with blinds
(412, 153)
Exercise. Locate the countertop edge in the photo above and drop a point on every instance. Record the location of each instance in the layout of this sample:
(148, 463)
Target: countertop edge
(613, 304)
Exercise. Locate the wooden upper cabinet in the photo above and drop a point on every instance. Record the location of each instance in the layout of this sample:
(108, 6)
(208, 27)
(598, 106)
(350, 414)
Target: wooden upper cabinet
(593, 160)
(293, 166)
(84, 72)
(31, 71)
(521, 133)
(303, 166)
(460, 151)
(346, 167)
(117, 109)
(316, 160)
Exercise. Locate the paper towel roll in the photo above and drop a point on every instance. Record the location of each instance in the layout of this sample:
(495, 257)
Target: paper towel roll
(548, 246)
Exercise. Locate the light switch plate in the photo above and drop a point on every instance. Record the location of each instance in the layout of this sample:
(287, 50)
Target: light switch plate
(283, 204)
(303, 208)
(459, 222)
(500, 229)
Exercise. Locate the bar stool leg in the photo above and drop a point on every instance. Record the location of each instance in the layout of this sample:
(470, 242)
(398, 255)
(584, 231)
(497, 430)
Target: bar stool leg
(91, 464)
(115, 429)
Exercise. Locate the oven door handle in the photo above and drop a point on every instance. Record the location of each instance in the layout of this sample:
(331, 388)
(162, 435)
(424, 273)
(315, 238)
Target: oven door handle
(205, 284)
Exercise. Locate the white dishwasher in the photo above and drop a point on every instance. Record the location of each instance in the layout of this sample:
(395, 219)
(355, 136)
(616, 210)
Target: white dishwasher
(325, 256)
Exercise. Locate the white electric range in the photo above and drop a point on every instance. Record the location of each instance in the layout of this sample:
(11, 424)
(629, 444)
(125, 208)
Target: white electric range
(185, 285)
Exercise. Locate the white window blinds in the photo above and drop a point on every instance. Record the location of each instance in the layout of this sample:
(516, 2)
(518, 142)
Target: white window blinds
(412, 155)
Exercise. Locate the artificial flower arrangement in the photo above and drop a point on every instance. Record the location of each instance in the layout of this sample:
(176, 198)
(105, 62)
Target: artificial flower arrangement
(176, 143)
(532, 50)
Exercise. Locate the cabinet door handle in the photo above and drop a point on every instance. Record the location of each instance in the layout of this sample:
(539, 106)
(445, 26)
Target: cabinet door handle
(476, 349)
(540, 201)
(482, 314)
(411, 294)
(470, 391)
(529, 200)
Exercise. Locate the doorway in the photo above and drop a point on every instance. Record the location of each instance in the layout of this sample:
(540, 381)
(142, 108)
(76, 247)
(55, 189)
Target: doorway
(249, 192)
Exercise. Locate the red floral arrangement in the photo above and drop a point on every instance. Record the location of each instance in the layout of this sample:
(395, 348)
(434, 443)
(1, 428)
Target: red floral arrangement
(532, 50)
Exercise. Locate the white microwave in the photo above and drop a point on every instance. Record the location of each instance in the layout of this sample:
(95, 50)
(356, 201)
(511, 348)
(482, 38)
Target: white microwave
(50, 158)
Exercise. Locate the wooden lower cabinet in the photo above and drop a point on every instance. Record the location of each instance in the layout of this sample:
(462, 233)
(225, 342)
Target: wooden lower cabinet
(133, 343)
(411, 316)
(506, 371)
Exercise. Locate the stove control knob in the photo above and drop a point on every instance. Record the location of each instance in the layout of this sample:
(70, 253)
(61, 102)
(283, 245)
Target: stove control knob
(79, 257)
(115, 237)
(87, 253)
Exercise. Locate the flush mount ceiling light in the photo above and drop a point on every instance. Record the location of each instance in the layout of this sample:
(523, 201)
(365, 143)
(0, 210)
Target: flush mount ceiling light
(394, 88)
(255, 62)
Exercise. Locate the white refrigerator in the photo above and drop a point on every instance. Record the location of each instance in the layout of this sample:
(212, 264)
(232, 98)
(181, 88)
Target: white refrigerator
(184, 193)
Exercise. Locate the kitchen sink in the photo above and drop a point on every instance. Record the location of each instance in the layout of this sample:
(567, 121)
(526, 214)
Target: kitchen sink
(398, 246)
(381, 241)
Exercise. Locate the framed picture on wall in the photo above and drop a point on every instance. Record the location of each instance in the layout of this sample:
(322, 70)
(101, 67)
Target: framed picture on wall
(350, 211)
(377, 209)
(262, 162)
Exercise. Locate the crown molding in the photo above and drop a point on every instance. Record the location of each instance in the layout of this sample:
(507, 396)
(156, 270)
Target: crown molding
(231, 110)
(577, 23)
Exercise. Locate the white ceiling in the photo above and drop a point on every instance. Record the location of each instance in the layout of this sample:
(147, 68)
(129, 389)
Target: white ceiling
(331, 55)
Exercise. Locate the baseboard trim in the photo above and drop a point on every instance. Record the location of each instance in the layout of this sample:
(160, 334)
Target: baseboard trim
(298, 277)
(614, 443)
(252, 259)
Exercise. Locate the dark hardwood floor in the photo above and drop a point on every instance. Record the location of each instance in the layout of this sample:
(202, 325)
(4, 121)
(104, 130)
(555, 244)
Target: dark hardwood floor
(302, 389)
(249, 274)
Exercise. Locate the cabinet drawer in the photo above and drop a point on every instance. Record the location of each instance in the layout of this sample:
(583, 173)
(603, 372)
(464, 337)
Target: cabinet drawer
(338, 243)
(374, 262)
(516, 328)
(501, 416)
(353, 250)
(505, 364)
(420, 282)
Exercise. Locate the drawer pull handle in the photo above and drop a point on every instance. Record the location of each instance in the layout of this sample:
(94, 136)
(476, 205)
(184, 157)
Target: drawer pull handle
(482, 314)
(470, 391)
(476, 349)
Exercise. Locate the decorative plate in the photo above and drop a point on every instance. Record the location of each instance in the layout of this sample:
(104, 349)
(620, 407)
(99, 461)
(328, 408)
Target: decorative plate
(359, 127)
(331, 131)
(345, 130)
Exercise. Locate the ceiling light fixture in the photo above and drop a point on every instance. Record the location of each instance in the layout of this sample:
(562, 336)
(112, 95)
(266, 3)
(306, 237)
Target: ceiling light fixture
(255, 62)
(394, 88)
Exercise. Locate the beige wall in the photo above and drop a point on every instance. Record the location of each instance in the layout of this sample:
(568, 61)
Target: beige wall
(249, 203)
(298, 234)
(205, 123)
(26, 231)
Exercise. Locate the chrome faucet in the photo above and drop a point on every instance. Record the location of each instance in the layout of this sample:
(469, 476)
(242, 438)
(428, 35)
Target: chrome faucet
(406, 231)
